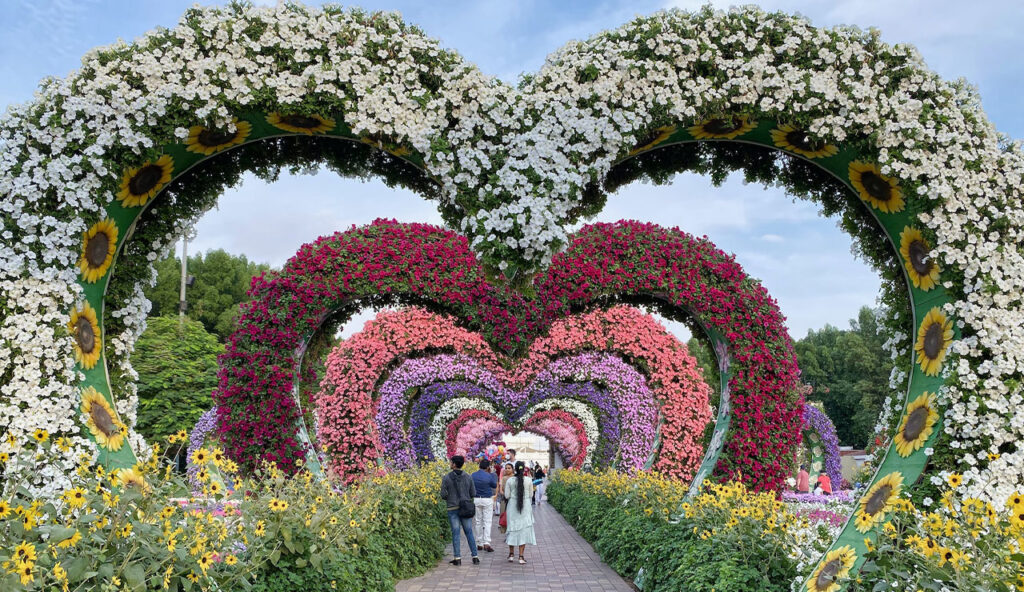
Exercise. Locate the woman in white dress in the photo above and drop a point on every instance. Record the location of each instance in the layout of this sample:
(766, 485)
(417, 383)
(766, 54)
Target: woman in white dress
(519, 513)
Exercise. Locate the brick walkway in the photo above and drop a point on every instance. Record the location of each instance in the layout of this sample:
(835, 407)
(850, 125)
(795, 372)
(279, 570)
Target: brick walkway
(561, 562)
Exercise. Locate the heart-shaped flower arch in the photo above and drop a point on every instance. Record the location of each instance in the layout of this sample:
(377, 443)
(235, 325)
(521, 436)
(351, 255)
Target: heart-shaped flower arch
(84, 160)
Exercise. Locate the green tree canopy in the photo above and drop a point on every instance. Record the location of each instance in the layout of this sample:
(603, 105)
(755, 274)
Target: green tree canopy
(222, 280)
(177, 366)
(849, 371)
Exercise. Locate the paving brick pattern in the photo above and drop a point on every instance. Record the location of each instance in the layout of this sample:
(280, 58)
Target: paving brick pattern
(561, 562)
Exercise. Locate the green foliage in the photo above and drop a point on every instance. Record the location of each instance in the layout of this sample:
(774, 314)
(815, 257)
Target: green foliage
(221, 283)
(849, 371)
(177, 366)
(624, 519)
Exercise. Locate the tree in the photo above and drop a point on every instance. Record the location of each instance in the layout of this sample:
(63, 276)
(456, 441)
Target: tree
(849, 371)
(222, 281)
(177, 366)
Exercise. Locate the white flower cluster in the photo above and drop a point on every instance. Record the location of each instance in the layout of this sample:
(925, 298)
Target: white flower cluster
(446, 414)
(516, 160)
(580, 411)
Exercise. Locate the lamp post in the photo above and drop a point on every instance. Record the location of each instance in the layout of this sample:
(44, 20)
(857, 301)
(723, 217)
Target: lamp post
(186, 280)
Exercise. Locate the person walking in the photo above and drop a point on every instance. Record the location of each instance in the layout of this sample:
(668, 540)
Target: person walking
(538, 478)
(506, 473)
(825, 483)
(485, 483)
(458, 493)
(519, 514)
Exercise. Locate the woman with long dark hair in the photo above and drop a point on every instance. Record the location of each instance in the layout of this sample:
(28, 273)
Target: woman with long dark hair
(519, 513)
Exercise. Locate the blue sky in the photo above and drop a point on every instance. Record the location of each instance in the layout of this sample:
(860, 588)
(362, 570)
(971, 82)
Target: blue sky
(802, 259)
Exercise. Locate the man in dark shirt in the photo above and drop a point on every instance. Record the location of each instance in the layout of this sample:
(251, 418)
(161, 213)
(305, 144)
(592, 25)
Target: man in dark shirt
(457, 487)
(486, 483)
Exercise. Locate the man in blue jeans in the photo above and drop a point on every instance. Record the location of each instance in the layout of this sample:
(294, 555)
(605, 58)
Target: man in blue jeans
(457, 491)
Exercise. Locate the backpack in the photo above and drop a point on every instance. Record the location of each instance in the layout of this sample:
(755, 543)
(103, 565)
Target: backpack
(467, 509)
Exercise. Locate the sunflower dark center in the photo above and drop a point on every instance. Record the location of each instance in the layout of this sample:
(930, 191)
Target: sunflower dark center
(876, 186)
(647, 139)
(146, 179)
(211, 138)
(933, 341)
(915, 424)
(919, 259)
(102, 419)
(84, 335)
(877, 500)
(300, 121)
(800, 139)
(723, 126)
(828, 574)
(96, 249)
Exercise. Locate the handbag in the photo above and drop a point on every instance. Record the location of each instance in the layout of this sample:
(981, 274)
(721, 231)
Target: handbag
(467, 509)
(503, 520)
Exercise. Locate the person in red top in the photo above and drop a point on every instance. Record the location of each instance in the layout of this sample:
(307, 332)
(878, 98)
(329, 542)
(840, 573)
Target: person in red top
(825, 483)
(803, 480)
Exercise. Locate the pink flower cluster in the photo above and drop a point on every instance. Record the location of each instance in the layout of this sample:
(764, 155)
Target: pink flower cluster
(565, 431)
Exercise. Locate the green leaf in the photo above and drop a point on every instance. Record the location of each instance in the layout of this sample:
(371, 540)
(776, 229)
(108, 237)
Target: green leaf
(275, 557)
(135, 576)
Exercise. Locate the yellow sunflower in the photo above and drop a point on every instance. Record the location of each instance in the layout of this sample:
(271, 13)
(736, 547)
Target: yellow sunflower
(75, 498)
(99, 244)
(207, 141)
(835, 566)
(797, 141)
(101, 420)
(85, 333)
(933, 339)
(722, 128)
(658, 136)
(141, 183)
(132, 477)
(878, 500)
(301, 124)
(917, 424)
(916, 252)
(881, 192)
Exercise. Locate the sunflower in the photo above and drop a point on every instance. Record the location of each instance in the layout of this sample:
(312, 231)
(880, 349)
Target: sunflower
(205, 561)
(261, 528)
(798, 141)
(923, 270)
(207, 141)
(141, 183)
(41, 435)
(99, 244)
(656, 137)
(933, 338)
(101, 420)
(301, 124)
(5, 509)
(25, 552)
(132, 477)
(835, 566)
(917, 424)
(85, 331)
(878, 500)
(231, 560)
(722, 128)
(75, 498)
(881, 192)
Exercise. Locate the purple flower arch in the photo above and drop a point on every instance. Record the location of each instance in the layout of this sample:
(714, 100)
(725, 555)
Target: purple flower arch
(816, 423)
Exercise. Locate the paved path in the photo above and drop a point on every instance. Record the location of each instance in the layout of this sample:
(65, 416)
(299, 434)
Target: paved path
(561, 562)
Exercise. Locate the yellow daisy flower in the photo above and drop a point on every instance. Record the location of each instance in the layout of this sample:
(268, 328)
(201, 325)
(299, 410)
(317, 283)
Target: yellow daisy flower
(101, 420)
(797, 141)
(917, 424)
(205, 561)
(5, 509)
(231, 560)
(389, 147)
(658, 136)
(878, 500)
(933, 339)
(41, 435)
(24, 571)
(301, 124)
(954, 480)
(722, 128)
(125, 478)
(85, 333)
(140, 184)
(75, 498)
(70, 541)
(99, 244)
(881, 192)
(916, 252)
(207, 141)
(200, 457)
(25, 552)
(834, 567)
(261, 528)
